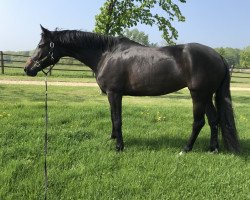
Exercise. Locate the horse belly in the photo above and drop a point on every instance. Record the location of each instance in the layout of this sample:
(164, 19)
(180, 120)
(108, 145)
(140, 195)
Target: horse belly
(153, 81)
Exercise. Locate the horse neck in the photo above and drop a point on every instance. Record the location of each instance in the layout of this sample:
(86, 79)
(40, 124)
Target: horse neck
(88, 50)
(90, 57)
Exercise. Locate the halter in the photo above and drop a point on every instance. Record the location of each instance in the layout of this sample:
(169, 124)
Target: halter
(50, 55)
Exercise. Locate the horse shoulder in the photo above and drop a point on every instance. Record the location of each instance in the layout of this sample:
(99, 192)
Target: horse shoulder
(110, 73)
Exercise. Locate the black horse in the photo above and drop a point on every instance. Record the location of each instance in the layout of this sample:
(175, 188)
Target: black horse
(124, 67)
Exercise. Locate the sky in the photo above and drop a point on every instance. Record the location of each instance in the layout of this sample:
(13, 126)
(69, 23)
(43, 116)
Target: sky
(216, 23)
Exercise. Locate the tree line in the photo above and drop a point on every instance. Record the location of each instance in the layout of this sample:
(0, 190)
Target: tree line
(236, 57)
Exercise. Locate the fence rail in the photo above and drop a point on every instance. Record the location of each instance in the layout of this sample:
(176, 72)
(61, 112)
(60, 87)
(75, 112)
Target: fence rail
(65, 62)
(15, 58)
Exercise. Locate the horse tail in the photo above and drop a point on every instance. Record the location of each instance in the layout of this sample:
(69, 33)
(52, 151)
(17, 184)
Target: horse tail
(226, 115)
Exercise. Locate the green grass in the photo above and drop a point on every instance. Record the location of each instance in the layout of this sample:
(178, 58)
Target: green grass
(82, 162)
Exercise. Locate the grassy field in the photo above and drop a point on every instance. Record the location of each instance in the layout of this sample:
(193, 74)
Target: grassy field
(82, 163)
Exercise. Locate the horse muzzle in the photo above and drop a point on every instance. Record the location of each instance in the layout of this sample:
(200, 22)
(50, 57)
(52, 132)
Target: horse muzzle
(30, 69)
(30, 72)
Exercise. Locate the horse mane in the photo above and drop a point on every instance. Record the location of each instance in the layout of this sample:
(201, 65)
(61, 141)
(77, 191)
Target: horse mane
(76, 39)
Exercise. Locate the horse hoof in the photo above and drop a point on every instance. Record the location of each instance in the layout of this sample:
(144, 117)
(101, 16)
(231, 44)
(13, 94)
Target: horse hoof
(182, 153)
(214, 151)
(186, 149)
(119, 147)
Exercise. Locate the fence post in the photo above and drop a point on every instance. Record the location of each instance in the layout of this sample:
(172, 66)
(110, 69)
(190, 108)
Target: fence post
(2, 62)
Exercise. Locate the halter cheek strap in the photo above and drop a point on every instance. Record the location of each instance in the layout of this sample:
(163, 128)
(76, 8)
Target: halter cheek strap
(51, 45)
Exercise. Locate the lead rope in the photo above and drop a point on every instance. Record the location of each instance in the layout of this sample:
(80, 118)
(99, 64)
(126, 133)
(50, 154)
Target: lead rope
(46, 138)
(46, 133)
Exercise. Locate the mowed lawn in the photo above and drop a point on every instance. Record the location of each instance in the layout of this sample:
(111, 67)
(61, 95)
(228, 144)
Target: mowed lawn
(82, 162)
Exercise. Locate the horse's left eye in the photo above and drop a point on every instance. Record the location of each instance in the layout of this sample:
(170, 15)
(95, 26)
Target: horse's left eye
(41, 45)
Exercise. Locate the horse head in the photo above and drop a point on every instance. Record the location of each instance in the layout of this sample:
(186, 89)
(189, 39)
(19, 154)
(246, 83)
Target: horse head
(46, 54)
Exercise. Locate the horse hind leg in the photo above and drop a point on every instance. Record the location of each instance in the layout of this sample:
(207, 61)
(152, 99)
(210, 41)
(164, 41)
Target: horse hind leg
(211, 114)
(199, 108)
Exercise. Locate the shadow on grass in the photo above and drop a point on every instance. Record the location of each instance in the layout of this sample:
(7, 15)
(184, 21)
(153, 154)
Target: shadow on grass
(165, 142)
(175, 96)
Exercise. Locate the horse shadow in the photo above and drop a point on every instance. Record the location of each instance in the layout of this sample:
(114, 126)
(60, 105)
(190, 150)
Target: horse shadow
(177, 143)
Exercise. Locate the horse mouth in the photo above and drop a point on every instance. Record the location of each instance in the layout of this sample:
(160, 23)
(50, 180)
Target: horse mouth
(30, 72)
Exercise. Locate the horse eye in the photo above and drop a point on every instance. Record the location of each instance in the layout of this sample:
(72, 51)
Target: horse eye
(41, 45)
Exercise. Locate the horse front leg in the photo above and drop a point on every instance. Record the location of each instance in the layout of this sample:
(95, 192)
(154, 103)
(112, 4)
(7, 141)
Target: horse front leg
(115, 101)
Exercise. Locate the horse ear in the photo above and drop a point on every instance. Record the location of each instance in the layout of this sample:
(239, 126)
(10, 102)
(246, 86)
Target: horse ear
(45, 32)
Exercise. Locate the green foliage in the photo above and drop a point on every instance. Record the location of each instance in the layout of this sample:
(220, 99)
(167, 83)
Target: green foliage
(221, 51)
(231, 55)
(136, 35)
(117, 15)
(245, 57)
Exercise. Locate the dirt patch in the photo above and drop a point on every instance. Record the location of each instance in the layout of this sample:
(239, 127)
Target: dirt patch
(75, 84)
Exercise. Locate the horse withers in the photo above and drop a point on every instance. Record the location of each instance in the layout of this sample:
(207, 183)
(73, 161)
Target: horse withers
(124, 67)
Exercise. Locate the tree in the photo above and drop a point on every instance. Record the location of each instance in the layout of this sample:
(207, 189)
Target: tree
(136, 35)
(245, 57)
(221, 51)
(231, 55)
(117, 15)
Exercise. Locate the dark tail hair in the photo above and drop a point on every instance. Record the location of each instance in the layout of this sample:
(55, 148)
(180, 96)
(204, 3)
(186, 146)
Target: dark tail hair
(226, 115)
